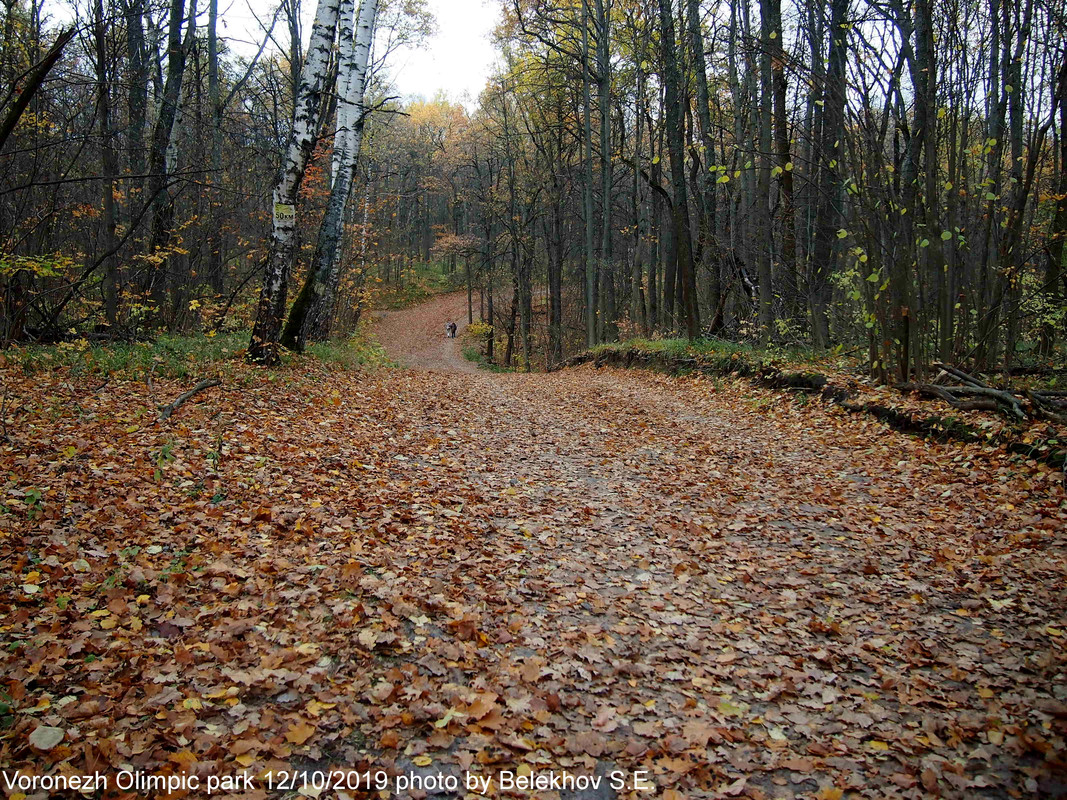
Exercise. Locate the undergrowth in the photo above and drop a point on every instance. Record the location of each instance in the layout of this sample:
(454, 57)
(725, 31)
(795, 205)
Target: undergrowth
(361, 349)
(732, 357)
(172, 356)
(474, 354)
(168, 356)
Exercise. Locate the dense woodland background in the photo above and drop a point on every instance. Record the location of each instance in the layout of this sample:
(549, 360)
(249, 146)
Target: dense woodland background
(886, 178)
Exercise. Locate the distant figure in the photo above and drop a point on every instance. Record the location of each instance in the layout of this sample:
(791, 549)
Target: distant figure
(450, 329)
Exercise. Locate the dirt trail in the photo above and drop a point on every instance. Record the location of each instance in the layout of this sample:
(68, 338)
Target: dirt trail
(742, 595)
(445, 571)
(416, 336)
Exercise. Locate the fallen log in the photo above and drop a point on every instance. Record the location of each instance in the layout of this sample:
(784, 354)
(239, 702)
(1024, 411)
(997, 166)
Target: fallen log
(959, 374)
(945, 393)
(951, 394)
(1047, 405)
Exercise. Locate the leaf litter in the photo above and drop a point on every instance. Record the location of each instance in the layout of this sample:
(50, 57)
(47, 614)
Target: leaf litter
(588, 570)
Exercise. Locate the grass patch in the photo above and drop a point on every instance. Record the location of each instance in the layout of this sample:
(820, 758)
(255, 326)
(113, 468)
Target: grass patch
(361, 349)
(719, 355)
(418, 283)
(168, 356)
(716, 348)
(171, 356)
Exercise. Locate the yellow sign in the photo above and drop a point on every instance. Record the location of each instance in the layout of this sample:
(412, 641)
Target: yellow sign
(284, 214)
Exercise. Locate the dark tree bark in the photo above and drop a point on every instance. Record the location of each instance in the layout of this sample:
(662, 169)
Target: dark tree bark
(708, 245)
(827, 215)
(683, 245)
(162, 202)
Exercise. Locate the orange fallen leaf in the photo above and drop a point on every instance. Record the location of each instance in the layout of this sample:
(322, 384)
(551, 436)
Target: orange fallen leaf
(299, 732)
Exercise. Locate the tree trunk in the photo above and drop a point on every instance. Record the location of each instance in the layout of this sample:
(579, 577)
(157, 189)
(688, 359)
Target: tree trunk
(787, 255)
(313, 310)
(706, 185)
(159, 194)
(263, 347)
(137, 98)
(827, 214)
(608, 328)
(214, 242)
(1052, 287)
(764, 239)
(107, 160)
(587, 196)
(683, 247)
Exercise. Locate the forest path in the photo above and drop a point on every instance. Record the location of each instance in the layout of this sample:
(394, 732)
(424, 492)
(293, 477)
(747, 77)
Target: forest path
(416, 337)
(736, 592)
(740, 592)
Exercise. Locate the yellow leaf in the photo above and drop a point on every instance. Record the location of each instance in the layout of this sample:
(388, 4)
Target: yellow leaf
(830, 793)
(314, 708)
(995, 737)
(447, 718)
(246, 760)
(193, 703)
(299, 733)
(985, 692)
(875, 744)
(422, 761)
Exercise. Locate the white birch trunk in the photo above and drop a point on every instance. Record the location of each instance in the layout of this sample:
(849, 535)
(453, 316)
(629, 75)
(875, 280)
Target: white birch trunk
(314, 309)
(263, 348)
(345, 76)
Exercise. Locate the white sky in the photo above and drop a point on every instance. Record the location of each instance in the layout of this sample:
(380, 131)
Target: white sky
(457, 58)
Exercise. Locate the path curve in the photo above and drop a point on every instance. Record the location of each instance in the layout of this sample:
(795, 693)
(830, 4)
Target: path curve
(416, 337)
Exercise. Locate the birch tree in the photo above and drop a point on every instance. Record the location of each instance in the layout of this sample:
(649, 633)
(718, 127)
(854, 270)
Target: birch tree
(263, 347)
(313, 308)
